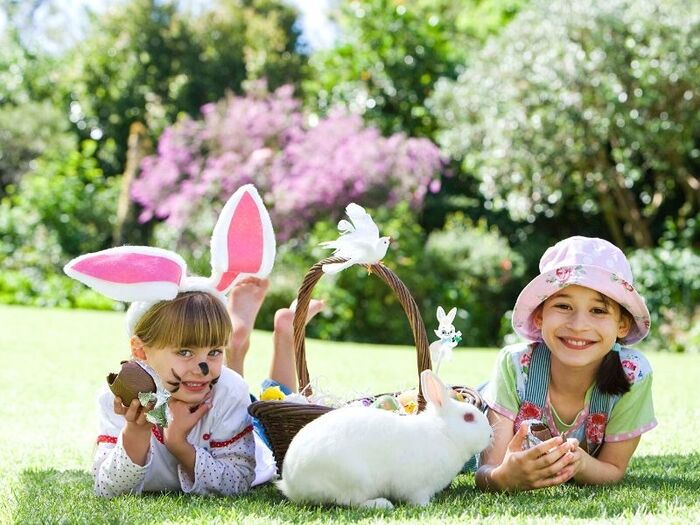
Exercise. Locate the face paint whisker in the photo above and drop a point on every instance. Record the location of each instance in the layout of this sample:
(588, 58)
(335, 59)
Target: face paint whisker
(176, 383)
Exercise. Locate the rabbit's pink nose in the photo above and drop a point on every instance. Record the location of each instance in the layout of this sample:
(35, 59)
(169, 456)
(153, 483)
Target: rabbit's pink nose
(469, 418)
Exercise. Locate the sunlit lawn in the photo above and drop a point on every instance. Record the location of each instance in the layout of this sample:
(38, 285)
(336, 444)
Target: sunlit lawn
(53, 362)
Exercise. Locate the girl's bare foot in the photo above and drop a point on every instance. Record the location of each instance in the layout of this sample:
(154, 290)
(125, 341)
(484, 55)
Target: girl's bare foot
(244, 303)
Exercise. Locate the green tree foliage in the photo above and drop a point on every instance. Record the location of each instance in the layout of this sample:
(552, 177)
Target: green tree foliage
(391, 52)
(26, 131)
(669, 279)
(63, 208)
(594, 103)
(147, 61)
(467, 265)
(29, 123)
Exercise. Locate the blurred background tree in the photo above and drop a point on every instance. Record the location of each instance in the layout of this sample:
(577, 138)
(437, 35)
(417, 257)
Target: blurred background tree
(551, 120)
(146, 61)
(391, 52)
(596, 105)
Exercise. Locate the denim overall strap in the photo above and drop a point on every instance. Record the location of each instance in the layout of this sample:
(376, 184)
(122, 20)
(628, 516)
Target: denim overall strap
(538, 376)
(601, 405)
(532, 405)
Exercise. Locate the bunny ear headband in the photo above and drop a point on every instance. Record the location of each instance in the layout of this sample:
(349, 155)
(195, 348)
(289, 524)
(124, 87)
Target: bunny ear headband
(243, 242)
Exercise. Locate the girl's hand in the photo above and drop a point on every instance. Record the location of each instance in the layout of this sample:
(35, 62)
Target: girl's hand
(578, 460)
(545, 465)
(135, 416)
(175, 434)
(136, 436)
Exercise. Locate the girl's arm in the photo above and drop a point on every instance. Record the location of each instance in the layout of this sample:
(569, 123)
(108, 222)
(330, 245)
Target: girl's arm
(225, 467)
(123, 453)
(505, 466)
(610, 465)
(175, 434)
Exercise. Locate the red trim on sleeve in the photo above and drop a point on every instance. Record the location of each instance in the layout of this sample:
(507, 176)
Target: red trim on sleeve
(217, 444)
(103, 438)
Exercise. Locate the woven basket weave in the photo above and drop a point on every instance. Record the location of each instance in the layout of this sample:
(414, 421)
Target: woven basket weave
(282, 420)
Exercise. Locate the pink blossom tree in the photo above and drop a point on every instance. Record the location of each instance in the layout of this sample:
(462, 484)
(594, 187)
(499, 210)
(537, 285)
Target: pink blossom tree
(304, 172)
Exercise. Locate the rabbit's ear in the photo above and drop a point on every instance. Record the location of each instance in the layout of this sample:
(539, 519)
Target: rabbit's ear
(130, 273)
(440, 314)
(451, 315)
(243, 240)
(433, 389)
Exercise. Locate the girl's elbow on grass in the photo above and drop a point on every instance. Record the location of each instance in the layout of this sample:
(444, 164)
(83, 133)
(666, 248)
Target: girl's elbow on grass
(600, 473)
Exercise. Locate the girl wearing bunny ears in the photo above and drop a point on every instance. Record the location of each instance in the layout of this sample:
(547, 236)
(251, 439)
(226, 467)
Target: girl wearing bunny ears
(179, 327)
(592, 394)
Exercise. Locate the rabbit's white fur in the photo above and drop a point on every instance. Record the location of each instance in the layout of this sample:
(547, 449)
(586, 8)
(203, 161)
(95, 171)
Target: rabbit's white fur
(359, 456)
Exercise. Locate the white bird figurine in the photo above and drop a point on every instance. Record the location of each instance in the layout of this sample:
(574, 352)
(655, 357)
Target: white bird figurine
(359, 241)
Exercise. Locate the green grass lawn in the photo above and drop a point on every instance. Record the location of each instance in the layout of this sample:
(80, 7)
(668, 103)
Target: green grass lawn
(53, 362)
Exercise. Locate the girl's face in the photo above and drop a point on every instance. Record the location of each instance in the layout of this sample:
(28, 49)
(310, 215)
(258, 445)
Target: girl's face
(579, 327)
(188, 373)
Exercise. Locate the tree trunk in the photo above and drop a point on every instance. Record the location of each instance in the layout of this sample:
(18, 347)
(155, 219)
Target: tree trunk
(634, 223)
(607, 206)
(139, 146)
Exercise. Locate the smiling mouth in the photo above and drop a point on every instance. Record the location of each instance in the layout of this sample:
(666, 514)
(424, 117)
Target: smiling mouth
(194, 386)
(576, 344)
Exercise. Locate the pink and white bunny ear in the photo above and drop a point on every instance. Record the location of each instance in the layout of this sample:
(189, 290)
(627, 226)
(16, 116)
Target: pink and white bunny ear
(130, 273)
(243, 240)
(433, 389)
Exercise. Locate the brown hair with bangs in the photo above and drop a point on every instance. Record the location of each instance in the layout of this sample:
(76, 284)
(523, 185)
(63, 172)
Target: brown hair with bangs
(191, 320)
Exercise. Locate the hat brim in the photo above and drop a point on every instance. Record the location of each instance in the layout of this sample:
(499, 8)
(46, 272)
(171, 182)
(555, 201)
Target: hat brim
(599, 279)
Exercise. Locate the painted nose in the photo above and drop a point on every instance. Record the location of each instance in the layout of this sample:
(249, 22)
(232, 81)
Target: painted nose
(204, 368)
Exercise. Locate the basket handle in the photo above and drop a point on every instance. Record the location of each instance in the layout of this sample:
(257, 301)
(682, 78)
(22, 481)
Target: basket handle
(405, 298)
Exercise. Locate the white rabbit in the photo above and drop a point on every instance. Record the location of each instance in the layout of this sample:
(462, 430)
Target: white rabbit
(365, 457)
(442, 350)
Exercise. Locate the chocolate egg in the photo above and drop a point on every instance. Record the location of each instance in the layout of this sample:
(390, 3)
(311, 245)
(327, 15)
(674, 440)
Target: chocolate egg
(130, 380)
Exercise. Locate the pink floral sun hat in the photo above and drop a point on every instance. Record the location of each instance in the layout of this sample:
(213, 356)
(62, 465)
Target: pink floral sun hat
(590, 262)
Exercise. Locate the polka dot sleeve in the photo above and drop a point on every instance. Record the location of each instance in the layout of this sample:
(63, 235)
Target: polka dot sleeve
(113, 470)
(226, 470)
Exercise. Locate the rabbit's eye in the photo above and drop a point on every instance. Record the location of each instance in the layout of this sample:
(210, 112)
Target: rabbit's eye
(469, 417)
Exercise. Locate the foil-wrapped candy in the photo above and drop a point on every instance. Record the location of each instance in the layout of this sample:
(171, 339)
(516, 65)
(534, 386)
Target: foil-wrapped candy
(537, 432)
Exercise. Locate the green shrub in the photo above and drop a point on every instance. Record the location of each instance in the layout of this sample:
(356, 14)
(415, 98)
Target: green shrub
(479, 272)
(466, 265)
(669, 280)
(62, 209)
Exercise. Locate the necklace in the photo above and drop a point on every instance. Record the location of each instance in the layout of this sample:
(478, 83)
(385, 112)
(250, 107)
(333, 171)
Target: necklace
(559, 420)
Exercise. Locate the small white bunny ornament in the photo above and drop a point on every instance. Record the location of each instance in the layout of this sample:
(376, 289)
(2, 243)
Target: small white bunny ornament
(449, 338)
(363, 457)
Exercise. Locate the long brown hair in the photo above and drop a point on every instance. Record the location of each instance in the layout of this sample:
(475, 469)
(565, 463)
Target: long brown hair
(611, 377)
(191, 320)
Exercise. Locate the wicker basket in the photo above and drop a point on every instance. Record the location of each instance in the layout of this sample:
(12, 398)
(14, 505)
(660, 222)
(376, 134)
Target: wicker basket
(282, 420)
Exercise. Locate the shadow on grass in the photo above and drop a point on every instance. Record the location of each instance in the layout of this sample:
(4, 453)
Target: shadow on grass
(653, 485)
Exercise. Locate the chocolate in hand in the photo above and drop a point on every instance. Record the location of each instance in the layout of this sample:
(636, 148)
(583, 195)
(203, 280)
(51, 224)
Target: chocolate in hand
(130, 380)
(540, 431)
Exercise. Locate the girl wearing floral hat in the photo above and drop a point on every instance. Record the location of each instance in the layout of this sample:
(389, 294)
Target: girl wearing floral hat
(577, 376)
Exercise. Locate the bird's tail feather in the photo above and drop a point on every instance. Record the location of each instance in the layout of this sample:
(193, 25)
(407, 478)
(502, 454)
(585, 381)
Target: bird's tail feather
(333, 268)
